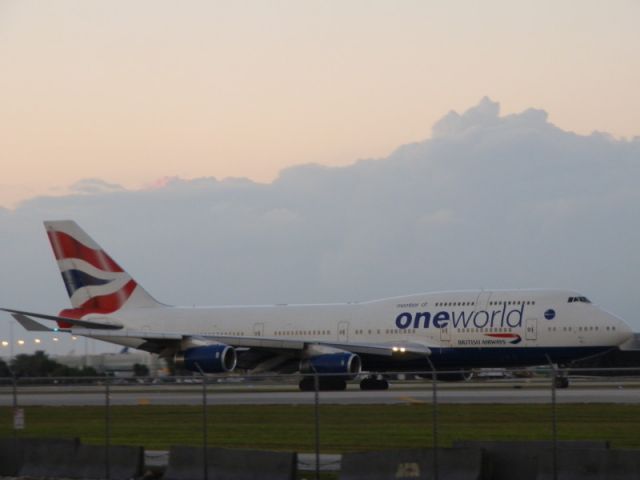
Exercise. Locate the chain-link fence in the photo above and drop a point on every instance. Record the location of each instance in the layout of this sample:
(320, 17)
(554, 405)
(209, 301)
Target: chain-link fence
(269, 412)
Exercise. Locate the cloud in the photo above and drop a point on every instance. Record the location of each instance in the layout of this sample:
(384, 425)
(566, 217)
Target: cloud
(94, 186)
(485, 114)
(488, 201)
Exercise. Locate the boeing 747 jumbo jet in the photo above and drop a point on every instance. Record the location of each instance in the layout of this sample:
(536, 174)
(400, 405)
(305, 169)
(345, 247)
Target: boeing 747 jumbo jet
(452, 331)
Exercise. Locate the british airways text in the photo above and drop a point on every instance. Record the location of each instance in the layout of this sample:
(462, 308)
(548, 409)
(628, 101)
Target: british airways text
(462, 319)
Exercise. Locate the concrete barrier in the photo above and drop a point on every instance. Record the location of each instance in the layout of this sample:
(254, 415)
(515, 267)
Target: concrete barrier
(250, 464)
(582, 464)
(69, 459)
(519, 459)
(13, 451)
(90, 462)
(10, 457)
(622, 463)
(538, 444)
(47, 459)
(184, 463)
(453, 464)
(187, 463)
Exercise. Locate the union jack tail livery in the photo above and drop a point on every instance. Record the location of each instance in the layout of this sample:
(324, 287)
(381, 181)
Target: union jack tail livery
(94, 281)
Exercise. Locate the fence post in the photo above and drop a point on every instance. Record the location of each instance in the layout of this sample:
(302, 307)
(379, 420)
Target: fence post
(107, 426)
(205, 431)
(434, 388)
(554, 418)
(554, 421)
(316, 385)
(15, 403)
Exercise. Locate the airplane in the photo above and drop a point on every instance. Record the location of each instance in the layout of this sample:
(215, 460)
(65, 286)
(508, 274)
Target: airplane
(452, 331)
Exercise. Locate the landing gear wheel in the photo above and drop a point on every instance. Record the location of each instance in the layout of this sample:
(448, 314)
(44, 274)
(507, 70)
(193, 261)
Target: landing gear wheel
(333, 383)
(372, 383)
(307, 384)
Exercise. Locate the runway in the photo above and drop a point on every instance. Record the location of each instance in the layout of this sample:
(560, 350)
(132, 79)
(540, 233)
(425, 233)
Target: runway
(622, 392)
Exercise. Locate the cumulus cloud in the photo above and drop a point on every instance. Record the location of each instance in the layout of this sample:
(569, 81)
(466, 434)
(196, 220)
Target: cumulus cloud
(488, 201)
(485, 114)
(94, 186)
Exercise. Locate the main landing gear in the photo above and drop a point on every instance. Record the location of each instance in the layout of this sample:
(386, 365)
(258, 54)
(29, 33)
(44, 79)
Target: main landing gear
(307, 384)
(562, 381)
(374, 383)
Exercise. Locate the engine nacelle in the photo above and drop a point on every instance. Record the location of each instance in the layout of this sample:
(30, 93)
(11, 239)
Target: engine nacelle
(218, 358)
(341, 363)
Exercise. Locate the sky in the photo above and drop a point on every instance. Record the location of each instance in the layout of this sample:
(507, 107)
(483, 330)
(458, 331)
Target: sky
(132, 92)
(294, 152)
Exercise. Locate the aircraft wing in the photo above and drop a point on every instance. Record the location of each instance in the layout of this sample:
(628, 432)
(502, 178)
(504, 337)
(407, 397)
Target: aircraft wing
(287, 344)
(159, 342)
(387, 350)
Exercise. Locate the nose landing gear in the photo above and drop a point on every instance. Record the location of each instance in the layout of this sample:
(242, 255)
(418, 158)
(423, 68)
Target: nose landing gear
(561, 378)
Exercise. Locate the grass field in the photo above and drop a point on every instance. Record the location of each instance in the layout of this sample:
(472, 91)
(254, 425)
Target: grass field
(342, 428)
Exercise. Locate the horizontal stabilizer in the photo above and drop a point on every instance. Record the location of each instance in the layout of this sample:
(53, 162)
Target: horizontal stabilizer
(73, 321)
(30, 324)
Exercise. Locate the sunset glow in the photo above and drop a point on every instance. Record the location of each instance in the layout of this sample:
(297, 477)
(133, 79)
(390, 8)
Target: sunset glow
(134, 92)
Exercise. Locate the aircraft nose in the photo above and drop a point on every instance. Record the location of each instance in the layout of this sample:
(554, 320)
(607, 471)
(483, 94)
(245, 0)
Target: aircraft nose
(623, 331)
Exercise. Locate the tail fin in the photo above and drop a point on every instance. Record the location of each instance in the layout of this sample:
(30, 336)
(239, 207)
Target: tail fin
(95, 283)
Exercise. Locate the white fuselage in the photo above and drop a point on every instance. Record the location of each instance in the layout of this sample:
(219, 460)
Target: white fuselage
(480, 328)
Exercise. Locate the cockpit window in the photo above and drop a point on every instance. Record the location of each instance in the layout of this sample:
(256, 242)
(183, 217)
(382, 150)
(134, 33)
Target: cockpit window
(579, 299)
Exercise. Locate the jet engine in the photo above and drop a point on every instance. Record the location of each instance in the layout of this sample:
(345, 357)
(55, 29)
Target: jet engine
(217, 358)
(343, 362)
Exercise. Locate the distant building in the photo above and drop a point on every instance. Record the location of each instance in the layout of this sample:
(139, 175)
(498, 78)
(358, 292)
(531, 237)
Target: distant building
(119, 364)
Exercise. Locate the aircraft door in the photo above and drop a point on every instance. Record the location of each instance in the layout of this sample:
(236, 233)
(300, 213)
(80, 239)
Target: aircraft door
(445, 333)
(482, 300)
(258, 329)
(343, 331)
(532, 329)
